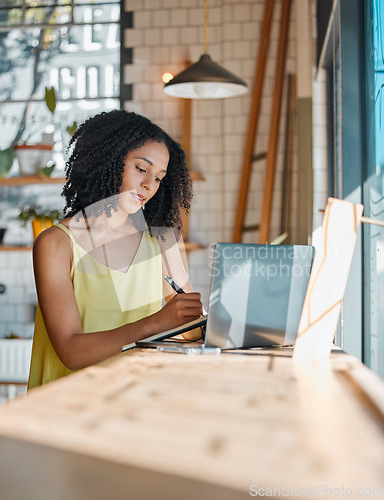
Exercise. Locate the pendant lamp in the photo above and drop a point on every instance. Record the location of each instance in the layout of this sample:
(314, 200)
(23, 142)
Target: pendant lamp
(205, 79)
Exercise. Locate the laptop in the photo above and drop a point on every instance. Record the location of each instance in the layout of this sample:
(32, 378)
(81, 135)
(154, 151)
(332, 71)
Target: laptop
(256, 298)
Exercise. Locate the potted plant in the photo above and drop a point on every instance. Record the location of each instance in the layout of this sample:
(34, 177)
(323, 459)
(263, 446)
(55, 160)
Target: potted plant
(33, 158)
(41, 218)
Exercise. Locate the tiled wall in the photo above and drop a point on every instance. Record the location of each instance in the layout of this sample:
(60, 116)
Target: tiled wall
(165, 34)
(17, 304)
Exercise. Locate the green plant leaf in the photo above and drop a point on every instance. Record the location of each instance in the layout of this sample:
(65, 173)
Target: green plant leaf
(47, 171)
(32, 211)
(71, 129)
(50, 99)
(6, 160)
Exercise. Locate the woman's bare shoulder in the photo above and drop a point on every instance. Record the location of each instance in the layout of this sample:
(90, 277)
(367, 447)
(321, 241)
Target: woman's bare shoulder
(53, 239)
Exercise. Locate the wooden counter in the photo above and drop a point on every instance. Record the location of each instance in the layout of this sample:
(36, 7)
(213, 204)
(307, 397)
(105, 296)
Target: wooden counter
(154, 425)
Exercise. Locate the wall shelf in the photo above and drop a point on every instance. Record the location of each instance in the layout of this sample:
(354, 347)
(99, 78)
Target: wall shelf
(23, 181)
(195, 176)
(191, 245)
(15, 248)
(27, 180)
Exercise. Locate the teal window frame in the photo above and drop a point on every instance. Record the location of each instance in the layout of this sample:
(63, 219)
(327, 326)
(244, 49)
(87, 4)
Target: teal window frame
(354, 58)
(373, 27)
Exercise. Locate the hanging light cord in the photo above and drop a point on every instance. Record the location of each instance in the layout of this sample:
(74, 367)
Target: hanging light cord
(205, 27)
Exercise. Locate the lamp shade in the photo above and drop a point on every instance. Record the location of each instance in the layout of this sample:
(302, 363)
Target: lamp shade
(205, 80)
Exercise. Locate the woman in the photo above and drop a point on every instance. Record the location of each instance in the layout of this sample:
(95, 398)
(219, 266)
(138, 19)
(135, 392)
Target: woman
(99, 272)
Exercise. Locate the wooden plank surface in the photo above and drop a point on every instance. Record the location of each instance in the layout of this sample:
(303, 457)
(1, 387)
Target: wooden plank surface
(204, 426)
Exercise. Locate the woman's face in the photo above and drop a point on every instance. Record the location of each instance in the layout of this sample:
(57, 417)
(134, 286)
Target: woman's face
(144, 169)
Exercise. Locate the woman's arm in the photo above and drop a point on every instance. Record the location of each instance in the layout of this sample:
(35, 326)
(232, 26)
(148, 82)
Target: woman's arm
(175, 264)
(52, 259)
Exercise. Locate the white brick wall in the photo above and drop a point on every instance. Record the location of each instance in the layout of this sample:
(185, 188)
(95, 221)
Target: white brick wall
(218, 127)
(17, 305)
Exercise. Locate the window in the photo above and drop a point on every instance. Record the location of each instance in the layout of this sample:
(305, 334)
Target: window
(356, 103)
(374, 184)
(71, 45)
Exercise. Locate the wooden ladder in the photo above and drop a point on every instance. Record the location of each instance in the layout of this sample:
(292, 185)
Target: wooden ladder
(271, 153)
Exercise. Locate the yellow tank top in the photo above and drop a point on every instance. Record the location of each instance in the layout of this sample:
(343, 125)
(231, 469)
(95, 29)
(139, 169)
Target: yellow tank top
(106, 299)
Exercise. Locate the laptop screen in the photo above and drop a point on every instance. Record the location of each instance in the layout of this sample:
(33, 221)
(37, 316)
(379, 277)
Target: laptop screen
(257, 294)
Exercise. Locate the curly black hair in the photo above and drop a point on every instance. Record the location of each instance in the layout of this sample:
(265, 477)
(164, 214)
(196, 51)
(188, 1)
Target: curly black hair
(95, 167)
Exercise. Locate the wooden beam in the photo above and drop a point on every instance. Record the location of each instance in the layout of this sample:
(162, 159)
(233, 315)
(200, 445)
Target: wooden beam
(274, 125)
(285, 222)
(304, 121)
(253, 120)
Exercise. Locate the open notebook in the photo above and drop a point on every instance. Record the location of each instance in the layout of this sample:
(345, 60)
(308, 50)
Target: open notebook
(256, 297)
(160, 337)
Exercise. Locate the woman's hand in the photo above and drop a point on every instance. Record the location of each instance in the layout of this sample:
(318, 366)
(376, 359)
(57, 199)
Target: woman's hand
(181, 309)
